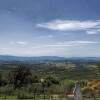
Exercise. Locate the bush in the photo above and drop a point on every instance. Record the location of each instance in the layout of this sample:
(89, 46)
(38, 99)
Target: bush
(8, 90)
(23, 95)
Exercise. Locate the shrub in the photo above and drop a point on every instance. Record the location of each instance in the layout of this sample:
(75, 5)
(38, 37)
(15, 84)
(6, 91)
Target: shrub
(8, 90)
(23, 95)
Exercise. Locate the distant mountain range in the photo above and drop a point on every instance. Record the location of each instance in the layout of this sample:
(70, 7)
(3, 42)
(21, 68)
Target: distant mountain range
(39, 58)
(47, 58)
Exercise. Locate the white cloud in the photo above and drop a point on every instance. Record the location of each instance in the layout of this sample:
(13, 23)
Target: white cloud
(46, 36)
(71, 25)
(19, 42)
(50, 36)
(96, 31)
(65, 44)
(64, 48)
(6, 48)
(83, 42)
(65, 25)
(76, 43)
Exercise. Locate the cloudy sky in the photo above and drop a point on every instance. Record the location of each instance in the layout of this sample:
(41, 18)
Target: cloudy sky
(69, 28)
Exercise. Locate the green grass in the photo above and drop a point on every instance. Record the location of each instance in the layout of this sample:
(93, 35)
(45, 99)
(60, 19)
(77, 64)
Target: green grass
(8, 97)
(3, 97)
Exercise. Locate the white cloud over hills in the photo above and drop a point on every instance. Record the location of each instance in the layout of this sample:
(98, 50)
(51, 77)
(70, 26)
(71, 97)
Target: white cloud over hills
(91, 27)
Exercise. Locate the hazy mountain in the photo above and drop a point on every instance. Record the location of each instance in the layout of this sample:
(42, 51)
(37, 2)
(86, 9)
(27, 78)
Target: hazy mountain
(47, 58)
(40, 58)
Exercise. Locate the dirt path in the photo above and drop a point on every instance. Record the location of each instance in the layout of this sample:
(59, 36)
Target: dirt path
(78, 92)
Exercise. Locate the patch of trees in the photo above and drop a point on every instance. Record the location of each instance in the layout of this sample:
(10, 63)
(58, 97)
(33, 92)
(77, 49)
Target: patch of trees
(29, 80)
(21, 79)
(92, 89)
(20, 76)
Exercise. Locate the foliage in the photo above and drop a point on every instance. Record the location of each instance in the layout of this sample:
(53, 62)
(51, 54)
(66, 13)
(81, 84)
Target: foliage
(8, 90)
(24, 82)
(93, 88)
(20, 76)
(23, 95)
(50, 80)
(98, 70)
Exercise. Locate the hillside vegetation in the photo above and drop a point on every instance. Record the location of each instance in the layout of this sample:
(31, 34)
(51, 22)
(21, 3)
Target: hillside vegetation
(34, 80)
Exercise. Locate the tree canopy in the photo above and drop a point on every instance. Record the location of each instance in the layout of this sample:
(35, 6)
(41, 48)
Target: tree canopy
(20, 76)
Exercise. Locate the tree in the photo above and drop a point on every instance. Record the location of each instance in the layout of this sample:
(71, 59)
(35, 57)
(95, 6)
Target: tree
(0, 79)
(98, 70)
(3, 80)
(20, 76)
(94, 87)
(51, 80)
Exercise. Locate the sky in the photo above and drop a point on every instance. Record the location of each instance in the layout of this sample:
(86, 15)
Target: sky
(66, 28)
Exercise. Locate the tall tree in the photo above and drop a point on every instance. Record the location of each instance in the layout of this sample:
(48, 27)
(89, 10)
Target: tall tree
(20, 76)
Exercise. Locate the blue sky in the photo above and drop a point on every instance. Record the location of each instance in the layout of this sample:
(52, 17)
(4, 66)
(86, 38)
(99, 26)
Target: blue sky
(69, 28)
